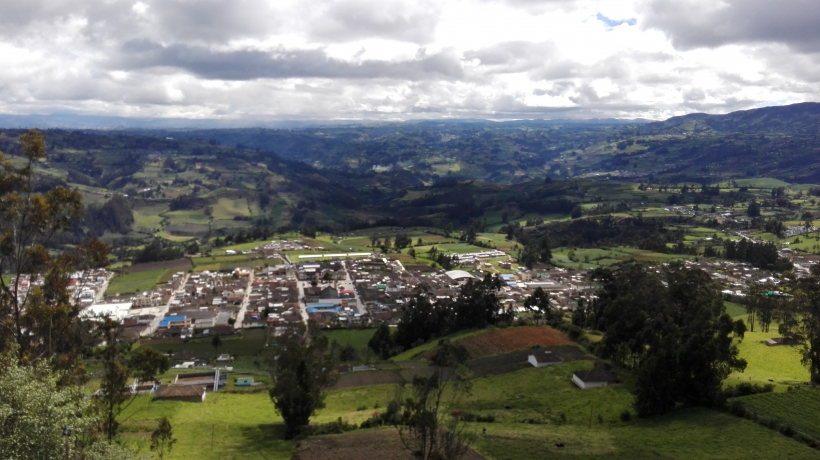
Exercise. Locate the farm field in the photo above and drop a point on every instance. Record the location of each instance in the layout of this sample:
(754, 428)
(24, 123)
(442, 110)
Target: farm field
(250, 343)
(246, 426)
(135, 282)
(799, 408)
(510, 339)
(408, 355)
(684, 434)
(226, 262)
(358, 338)
(780, 364)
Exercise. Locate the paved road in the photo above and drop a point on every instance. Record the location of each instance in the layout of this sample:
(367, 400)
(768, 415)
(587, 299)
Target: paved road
(163, 310)
(245, 301)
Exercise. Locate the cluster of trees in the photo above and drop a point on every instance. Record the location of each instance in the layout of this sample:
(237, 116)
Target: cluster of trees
(114, 216)
(158, 250)
(475, 307)
(761, 255)
(43, 339)
(670, 328)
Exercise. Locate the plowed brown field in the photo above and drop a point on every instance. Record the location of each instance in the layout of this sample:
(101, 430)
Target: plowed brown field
(366, 445)
(511, 339)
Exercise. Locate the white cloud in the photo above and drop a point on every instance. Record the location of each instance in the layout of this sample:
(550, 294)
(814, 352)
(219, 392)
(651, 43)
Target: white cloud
(393, 59)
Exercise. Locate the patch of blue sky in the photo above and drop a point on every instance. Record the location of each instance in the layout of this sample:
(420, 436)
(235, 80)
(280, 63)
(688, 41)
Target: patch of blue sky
(615, 22)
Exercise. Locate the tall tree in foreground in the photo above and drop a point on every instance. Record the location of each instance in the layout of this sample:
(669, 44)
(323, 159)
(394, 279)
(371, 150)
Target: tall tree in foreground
(427, 425)
(121, 364)
(40, 322)
(807, 327)
(672, 328)
(302, 371)
(162, 439)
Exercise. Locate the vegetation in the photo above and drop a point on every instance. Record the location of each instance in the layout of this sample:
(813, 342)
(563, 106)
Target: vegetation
(301, 371)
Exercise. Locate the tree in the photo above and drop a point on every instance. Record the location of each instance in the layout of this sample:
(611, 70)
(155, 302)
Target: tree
(576, 212)
(35, 409)
(28, 224)
(382, 342)
(120, 364)
(426, 425)
(216, 342)
(807, 329)
(302, 371)
(538, 304)
(162, 439)
(402, 241)
(753, 210)
(672, 328)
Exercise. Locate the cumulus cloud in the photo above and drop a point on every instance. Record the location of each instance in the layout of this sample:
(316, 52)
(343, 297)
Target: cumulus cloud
(351, 20)
(709, 23)
(279, 63)
(264, 59)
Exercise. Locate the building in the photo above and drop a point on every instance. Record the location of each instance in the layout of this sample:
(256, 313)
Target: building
(544, 358)
(188, 393)
(594, 378)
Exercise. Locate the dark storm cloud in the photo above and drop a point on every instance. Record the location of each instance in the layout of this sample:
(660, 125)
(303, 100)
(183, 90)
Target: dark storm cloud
(251, 64)
(358, 19)
(693, 24)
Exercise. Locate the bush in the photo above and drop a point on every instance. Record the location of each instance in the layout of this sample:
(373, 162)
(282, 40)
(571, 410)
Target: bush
(746, 389)
(626, 416)
(336, 427)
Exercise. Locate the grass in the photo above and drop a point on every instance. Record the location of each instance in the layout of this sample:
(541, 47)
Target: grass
(684, 434)
(780, 364)
(213, 263)
(233, 426)
(408, 355)
(358, 338)
(135, 282)
(225, 426)
(250, 343)
(800, 409)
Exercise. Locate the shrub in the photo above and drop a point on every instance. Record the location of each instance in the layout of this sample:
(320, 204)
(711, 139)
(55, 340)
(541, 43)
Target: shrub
(746, 389)
(626, 416)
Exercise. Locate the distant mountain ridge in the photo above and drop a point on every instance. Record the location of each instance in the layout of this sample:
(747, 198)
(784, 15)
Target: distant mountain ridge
(802, 118)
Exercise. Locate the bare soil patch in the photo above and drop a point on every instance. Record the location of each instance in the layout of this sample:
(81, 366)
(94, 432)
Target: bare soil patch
(364, 445)
(517, 360)
(509, 339)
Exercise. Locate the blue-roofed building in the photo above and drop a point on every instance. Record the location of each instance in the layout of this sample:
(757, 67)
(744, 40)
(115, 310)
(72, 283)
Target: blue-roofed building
(171, 321)
(507, 277)
(323, 308)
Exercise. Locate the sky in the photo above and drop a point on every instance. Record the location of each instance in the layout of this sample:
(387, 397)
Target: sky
(258, 60)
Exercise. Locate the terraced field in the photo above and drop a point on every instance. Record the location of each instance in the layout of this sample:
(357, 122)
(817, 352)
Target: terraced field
(800, 408)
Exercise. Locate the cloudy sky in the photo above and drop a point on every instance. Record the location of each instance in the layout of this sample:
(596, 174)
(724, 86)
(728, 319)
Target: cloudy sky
(400, 59)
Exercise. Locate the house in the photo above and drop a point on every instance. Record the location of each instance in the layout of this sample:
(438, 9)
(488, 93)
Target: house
(244, 381)
(598, 377)
(544, 358)
(189, 393)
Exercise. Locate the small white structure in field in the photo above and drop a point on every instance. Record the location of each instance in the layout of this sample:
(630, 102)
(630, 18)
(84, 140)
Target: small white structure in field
(594, 378)
(544, 358)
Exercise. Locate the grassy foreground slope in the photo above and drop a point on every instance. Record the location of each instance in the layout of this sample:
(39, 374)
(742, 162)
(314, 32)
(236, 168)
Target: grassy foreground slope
(534, 409)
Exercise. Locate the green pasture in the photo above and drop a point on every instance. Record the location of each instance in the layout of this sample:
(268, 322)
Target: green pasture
(800, 408)
(228, 208)
(149, 216)
(250, 343)
(761, 182)
(135, 282)
(244, 246)
(683, 434)
(226, 262)
(780, 365)
(358, 338)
